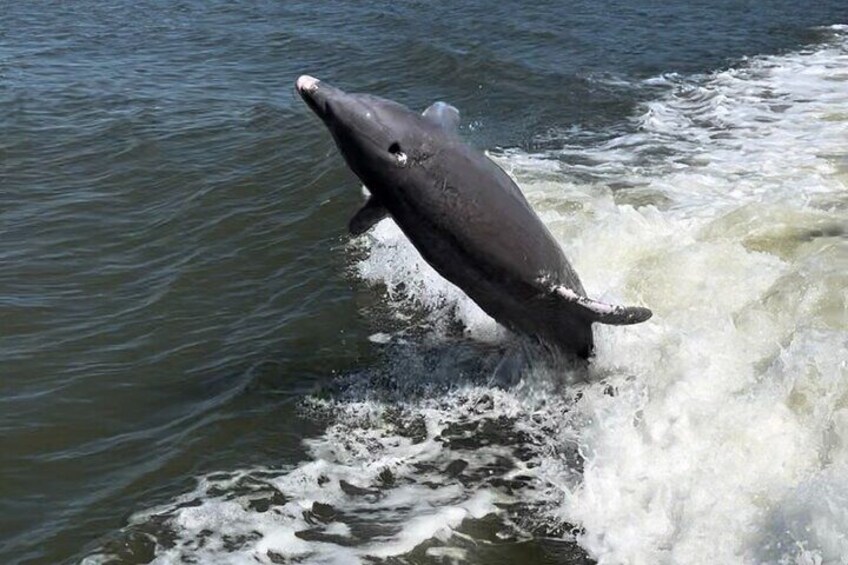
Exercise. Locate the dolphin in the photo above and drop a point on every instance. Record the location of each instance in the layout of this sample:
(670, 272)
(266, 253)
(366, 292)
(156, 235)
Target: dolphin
(464, 214)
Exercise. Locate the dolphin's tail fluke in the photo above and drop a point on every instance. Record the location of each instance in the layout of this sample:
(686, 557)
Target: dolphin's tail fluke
(603, 313)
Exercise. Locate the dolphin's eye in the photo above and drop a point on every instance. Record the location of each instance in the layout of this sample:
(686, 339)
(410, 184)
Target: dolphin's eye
(395, 150)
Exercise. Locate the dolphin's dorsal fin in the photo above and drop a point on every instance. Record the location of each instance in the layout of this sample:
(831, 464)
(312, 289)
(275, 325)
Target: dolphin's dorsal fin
(443, 115)
(372, 212)
(601, 312)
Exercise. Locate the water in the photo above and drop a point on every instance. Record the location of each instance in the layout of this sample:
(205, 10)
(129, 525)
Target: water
(198, 363)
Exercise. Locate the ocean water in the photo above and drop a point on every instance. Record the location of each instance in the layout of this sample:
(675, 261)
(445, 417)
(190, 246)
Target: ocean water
(199, 365)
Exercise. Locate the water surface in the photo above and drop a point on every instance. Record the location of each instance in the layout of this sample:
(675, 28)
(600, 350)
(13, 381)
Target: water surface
(199, 364)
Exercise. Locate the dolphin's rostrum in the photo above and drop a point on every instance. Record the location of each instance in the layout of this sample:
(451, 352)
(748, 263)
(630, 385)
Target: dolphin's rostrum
(463, 213)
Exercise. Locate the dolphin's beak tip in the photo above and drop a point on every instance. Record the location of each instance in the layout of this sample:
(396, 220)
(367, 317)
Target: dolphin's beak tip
(306, 83)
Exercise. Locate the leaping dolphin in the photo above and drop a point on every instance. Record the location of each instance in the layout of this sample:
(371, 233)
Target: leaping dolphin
(464, 214)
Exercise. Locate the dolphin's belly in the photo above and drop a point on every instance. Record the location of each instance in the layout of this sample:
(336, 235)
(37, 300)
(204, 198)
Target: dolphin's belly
(511, 298)
(481, 209)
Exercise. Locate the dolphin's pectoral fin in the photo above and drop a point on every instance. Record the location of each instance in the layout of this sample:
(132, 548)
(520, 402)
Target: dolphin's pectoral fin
(366, 217)
(443, 115)
(601, 312)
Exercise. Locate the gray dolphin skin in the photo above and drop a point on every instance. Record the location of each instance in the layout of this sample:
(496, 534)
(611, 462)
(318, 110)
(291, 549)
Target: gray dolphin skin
(464, 214)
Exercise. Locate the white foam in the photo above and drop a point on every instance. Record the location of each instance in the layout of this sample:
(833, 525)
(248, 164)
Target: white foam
(366, 492)
(709, 457)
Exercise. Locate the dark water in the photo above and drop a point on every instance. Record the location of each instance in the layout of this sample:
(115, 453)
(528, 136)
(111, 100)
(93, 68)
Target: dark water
(173, 271)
